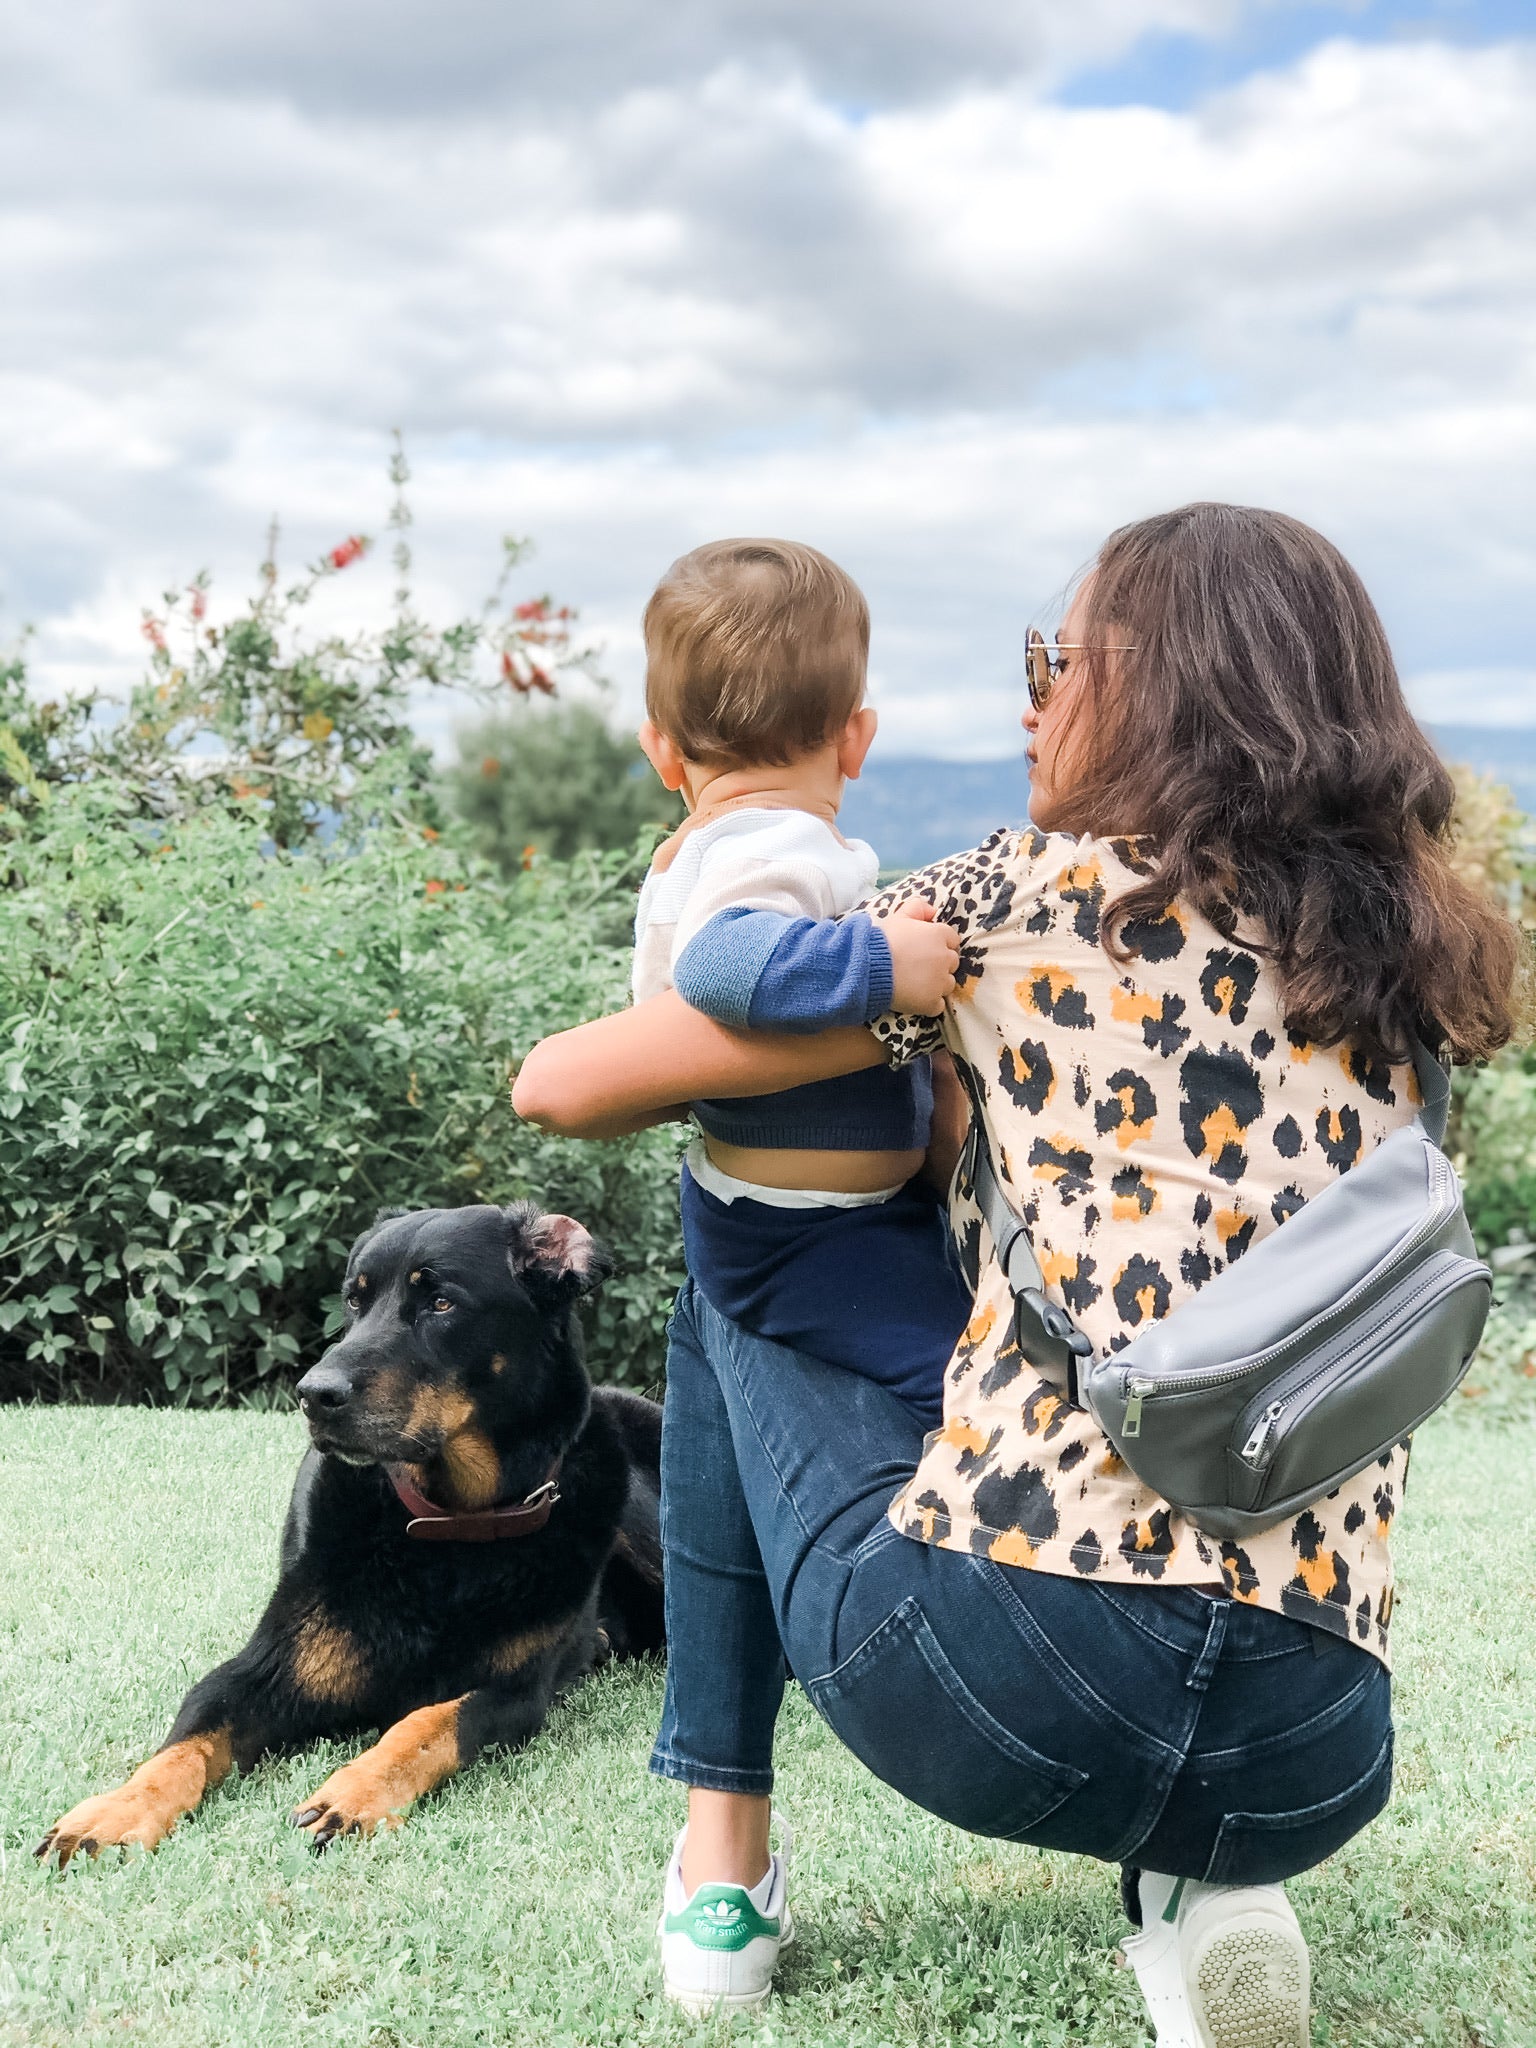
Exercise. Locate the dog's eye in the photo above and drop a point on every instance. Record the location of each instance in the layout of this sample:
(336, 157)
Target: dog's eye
(441, 1305)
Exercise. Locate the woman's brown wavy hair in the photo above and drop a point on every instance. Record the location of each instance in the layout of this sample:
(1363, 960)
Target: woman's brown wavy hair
(1259, 737)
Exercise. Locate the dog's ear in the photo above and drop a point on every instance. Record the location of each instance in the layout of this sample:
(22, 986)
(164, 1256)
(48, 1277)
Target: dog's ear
(555, 1257)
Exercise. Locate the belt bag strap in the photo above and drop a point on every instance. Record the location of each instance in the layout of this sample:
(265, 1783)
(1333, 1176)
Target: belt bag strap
(1435, 1087)
(1047, 1334)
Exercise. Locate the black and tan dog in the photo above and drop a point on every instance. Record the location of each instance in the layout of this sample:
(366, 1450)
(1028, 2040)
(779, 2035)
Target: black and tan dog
(473, 1531)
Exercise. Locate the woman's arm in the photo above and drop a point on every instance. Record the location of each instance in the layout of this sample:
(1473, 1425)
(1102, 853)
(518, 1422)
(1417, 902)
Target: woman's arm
(620, 1073)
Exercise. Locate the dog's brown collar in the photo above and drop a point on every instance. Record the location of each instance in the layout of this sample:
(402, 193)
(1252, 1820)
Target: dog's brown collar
(431, 1524)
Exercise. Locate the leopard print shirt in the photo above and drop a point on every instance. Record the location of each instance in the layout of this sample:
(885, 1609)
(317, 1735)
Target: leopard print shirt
(1152, 1121)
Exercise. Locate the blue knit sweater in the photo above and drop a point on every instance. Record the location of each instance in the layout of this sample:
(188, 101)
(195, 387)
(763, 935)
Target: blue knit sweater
(761, 970)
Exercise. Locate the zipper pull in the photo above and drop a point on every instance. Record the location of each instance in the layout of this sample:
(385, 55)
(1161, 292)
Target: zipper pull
(1138, 1390)
(1255, 1445)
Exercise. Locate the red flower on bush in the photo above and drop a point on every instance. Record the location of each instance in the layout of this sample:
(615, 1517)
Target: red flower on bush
(154, 633)
(436, 888)
(199, 604)
(351, 548)
(510, 674)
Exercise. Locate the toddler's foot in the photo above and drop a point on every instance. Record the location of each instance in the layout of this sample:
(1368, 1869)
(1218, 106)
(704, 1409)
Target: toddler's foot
(1221, 1965)
(719, 1947)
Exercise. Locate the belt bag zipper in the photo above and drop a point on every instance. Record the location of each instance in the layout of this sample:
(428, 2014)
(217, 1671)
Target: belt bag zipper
(1398, 1308)
(1140, 1387)
(1258, 1443)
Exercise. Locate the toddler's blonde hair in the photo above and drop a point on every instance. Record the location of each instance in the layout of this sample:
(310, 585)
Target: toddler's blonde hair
(755, 652)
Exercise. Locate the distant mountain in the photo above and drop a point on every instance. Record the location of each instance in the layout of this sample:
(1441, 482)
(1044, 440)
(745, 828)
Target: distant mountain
(913, 811)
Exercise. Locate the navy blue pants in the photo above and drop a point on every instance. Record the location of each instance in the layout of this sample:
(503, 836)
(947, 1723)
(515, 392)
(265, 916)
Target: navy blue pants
(875, 1289)
(1161, 1726)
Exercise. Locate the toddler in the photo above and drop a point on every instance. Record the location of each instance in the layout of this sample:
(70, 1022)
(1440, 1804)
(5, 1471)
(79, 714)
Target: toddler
(802, 1220)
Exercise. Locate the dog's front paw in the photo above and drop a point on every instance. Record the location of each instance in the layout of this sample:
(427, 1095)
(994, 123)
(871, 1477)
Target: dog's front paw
(373, 1790)
(353, 1801)
(145, 1808)
(110, 1820)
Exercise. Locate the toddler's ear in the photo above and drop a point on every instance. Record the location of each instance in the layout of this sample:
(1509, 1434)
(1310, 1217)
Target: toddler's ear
(858, 737)
(663, 756)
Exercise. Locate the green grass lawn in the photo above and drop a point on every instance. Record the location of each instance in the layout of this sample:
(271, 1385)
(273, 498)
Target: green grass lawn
(136, 1548)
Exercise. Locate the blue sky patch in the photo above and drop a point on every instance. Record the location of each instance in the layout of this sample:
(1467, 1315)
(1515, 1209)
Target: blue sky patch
(1176, 71)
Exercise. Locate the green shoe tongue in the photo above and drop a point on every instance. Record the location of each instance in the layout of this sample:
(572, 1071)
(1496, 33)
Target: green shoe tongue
(722, 1917)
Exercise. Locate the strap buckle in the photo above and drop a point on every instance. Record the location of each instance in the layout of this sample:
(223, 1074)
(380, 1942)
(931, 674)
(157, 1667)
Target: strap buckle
(1057, 1323)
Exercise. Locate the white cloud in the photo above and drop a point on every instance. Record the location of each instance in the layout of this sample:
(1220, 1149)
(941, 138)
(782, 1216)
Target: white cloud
(953, 336)
(1312, 206)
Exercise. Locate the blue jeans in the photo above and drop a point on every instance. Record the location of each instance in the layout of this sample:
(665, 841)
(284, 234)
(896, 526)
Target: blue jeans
(1157, 1725)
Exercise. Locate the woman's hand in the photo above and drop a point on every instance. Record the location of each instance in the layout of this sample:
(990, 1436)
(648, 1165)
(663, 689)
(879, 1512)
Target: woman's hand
(925, 955)
(638, 1067)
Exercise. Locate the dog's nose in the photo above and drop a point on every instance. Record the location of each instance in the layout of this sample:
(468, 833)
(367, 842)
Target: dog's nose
(324, 1388)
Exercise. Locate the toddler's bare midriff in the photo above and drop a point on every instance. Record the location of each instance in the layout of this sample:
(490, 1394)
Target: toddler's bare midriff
(843, 1173)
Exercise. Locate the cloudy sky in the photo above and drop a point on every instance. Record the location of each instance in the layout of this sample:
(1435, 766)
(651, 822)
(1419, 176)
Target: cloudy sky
(948, 290)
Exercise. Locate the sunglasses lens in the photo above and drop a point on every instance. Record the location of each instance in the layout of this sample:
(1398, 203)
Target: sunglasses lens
(1037, 669)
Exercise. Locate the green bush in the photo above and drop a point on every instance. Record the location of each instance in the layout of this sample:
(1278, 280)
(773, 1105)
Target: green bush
(555, 778)
(1493, 1130)
(249, 995)
(1494, 1137)
(219, 1059)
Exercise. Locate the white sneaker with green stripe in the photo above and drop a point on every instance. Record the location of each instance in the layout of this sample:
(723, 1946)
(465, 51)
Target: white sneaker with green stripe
(1221, 1965)
(720, 1945)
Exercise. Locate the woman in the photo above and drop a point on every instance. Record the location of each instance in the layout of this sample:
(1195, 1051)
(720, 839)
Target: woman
(1186, 1003)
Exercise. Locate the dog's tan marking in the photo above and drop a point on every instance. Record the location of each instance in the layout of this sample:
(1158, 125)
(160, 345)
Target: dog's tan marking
(473, 1469)
(146, 1806)
(416, 1276)
(466, 1456)
(439, 1411)
(361, 1280)
(372, 1791)
(328, 1661)
(498, 1361)
(509, 1657)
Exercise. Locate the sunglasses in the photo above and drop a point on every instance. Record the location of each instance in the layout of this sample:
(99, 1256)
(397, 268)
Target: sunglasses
(1042, 668)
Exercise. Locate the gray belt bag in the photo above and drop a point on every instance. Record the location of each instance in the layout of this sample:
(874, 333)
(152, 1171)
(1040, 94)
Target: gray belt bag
(1298, 1365)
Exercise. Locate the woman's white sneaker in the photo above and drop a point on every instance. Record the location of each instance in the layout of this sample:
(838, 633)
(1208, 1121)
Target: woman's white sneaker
(1221, 1966)
(720, 1945)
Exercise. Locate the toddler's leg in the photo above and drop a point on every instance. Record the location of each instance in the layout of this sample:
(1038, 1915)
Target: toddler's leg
(725, 1910)
(725, 1667)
